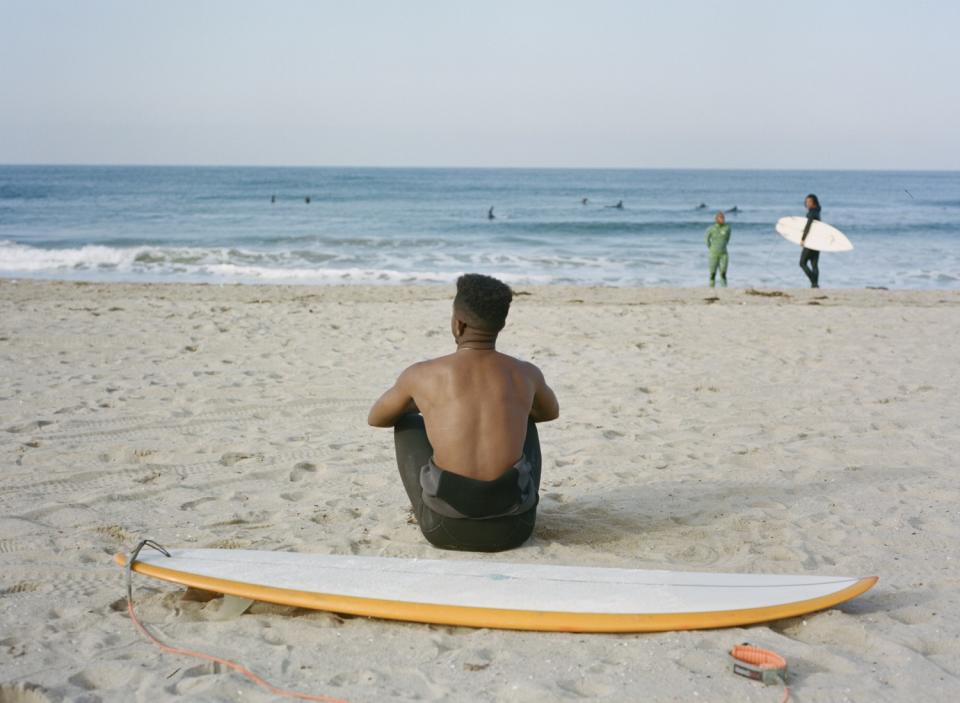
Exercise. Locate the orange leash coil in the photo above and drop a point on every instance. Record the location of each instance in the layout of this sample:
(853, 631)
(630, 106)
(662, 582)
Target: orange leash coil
(760, 665)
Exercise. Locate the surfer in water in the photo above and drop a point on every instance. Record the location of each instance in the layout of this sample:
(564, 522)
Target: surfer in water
(810, 258)
(618, 206)
(717, 237)
(467, 446)
(490, 215)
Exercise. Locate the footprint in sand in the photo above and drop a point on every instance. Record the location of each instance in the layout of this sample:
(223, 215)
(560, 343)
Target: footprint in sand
(35, 425)
(191, 504)
(301, 470)
(231, 458)
(18, 588)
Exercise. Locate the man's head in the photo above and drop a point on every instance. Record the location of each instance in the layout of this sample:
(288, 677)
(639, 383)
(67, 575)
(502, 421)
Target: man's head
(720, 218)
(812, 201)
(481, 303)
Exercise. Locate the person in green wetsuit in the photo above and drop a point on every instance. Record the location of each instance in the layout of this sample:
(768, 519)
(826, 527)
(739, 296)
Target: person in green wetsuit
(718, 234)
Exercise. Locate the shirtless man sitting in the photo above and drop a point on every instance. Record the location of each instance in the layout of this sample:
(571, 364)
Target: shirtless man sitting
(467, 446)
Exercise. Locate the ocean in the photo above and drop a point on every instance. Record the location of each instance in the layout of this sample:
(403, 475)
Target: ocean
(395, 225)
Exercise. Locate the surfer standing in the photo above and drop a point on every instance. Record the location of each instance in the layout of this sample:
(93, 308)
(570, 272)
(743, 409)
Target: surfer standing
(811, 256)
(467, 447)
(717, 237)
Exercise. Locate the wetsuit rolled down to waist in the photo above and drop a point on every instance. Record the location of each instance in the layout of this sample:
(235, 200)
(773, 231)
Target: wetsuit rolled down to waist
(457, 512)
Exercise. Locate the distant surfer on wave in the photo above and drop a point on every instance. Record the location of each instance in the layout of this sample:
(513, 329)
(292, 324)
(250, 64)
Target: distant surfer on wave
(467, 446)
(490, 215)
(618, 206)
(811, 256)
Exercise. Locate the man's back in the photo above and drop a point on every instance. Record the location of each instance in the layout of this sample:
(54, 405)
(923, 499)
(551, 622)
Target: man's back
(475, 405)
(468, 450)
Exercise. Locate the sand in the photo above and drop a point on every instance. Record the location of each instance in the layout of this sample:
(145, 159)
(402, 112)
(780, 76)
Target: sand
(806, 432)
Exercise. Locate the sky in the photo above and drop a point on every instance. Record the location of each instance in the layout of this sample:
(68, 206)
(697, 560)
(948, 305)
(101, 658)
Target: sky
(844, 84)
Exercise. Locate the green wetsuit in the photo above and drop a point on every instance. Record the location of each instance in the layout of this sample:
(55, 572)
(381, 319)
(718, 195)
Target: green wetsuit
(717, 237)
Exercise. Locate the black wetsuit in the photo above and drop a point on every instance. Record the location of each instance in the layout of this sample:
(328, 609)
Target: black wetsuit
(468, 514)
(810, 256)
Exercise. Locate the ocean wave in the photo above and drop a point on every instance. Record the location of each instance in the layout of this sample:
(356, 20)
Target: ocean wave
(21, 258)
(600, 227)
(193, 263)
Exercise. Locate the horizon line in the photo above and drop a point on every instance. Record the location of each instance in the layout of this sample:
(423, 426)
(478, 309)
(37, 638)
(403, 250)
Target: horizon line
(473, 168)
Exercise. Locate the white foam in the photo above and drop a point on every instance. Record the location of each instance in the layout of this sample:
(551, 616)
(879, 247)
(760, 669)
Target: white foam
(21, 258)
(194, 263)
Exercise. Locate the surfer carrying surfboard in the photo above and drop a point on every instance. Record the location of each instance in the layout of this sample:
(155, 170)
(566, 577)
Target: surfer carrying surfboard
(467, 446)
(811, 256)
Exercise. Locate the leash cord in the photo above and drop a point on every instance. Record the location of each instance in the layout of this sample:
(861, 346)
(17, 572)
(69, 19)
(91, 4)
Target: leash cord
(234, 666)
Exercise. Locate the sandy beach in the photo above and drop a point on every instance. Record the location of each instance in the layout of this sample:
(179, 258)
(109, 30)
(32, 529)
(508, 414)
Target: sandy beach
(793, 431)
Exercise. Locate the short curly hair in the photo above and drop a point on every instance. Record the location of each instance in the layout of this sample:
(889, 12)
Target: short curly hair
(482, 301)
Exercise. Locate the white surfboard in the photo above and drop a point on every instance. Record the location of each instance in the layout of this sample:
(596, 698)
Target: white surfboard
(822, 237)
(519, 596)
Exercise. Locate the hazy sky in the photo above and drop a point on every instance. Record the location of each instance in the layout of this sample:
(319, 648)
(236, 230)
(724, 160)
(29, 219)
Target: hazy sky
(685, 83)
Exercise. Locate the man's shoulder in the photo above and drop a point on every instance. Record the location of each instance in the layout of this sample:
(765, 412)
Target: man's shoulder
(426, 366)
(525, 367)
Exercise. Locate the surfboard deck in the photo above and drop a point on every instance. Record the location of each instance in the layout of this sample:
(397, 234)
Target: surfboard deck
(475, 593)
(822, 237)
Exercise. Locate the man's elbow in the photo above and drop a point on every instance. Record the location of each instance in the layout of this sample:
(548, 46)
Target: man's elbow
(376, 419)
(545, 414)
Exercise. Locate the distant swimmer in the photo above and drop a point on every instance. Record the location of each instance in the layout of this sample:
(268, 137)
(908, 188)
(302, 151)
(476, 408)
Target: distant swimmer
(584, 201)
(273, 198)
(490, 215)
(618, 206)
(734, 210)
(701, 206)
(307, 200)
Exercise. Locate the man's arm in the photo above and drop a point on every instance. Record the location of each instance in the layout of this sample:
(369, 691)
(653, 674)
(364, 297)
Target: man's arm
(545, 404)
(810, 218)
(707, 235)
(396, 402)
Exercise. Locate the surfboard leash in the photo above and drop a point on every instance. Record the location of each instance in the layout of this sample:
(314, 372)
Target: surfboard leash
(760, 665)
(230, 664)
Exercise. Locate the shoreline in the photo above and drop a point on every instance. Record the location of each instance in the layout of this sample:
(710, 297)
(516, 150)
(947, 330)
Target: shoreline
(551, 293)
